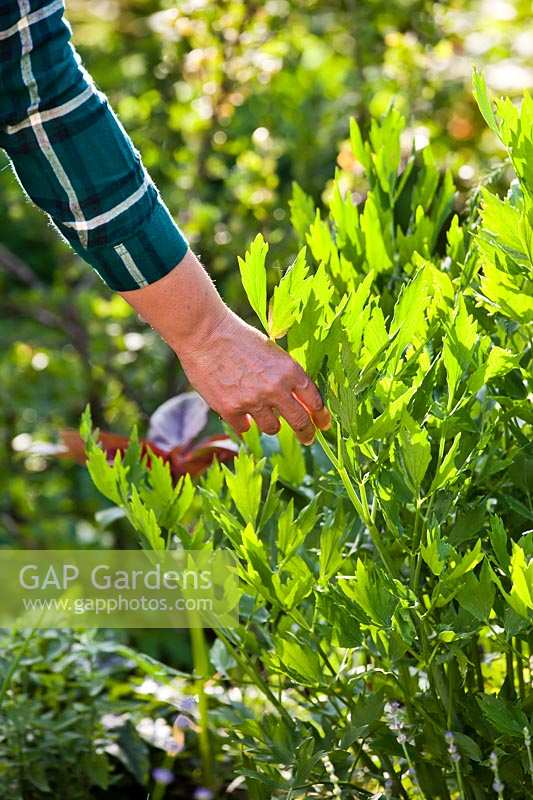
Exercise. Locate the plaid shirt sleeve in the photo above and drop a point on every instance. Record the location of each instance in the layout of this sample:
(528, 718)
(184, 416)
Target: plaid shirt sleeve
(72, 155)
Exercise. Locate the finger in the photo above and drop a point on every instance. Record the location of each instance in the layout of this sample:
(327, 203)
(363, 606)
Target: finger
(239, 422)
(306, 392)
(298, 418)
(266, 420)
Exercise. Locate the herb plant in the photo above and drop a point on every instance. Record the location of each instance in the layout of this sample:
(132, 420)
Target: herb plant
(385, 640)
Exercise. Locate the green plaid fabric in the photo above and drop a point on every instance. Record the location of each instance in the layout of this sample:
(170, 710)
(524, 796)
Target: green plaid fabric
(72, 155)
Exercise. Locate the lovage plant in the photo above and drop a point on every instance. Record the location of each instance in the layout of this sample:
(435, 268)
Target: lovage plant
(385, 640)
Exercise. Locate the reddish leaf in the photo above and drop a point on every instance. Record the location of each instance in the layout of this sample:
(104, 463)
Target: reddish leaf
(178, 421)
(198, 458)
(192, 460)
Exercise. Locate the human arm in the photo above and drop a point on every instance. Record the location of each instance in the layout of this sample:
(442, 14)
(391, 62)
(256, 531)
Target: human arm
(238, 371)
(76, 162)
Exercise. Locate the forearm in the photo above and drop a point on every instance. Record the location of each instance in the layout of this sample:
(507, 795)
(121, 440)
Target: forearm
(184, 307)
(73, 157)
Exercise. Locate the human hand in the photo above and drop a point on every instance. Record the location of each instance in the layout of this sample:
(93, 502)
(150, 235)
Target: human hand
(242, 374)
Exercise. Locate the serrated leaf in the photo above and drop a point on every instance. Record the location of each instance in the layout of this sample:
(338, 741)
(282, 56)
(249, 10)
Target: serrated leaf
(447, 471)
(477, 596)
(415, 451)
(457, 352)
(508, 719)
(302, 210)
(290, 461)
(253, 276)
(104, 475)
(483, 99)
(244, 484)
(144, 521)
(299, 661)
(286, 300)
(435, 552)
(498, 538)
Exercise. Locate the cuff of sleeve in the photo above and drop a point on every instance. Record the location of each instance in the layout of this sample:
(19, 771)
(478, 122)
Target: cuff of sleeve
(153, 251)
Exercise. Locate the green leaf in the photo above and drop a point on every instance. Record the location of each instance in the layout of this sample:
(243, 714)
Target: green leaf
(286, 301)
(221, 658)
(508, 719)
(447, 471)
(104, 475)
(368, 588)
(253, 276)
(86, 424)
(498, 539)
(376, 252)
(522, 582)
(470, 560)
(504, 294)
(290, 461)
(319, 240)
(244, 484)
(467, 746)
(365, 713)
(133, 752)
(482, 98)
(144, 521)
(435, 552)
(457, 352)
(477, 596)
(302, 210)
(409, 312)
(415, 452)
(387, 422)
(300, 662)
(331, 557)
(502, 224)
(359, 149)
(98, 767)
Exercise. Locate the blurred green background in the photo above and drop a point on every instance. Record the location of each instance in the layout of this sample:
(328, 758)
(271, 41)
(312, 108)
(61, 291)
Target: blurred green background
(229, 104)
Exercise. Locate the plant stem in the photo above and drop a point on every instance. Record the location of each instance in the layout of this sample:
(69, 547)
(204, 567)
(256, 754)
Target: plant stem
(255, 676)
(476, 657)
(201, 669)
(412, 771)
(510, 671)
(356, 502)
(520, 670)
(459, 777)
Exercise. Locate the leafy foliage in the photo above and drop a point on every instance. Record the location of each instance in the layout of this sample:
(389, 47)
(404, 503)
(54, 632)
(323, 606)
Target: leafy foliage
(392, 563)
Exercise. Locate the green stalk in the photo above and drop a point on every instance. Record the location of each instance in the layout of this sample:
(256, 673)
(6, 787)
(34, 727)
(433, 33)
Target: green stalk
(256, 678)
(459, 778)
(520, 670)
(361, 506)
(412, 770)
(201, 669)
(477, 666)
(527, 742)
(510, 670)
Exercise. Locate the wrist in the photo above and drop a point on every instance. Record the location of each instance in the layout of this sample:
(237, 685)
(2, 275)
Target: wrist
(215, 318)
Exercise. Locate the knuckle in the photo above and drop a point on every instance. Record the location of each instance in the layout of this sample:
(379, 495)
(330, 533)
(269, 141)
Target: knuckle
(316, 402)
(301, 423)
(303, 381)
(275, 384)
(233, 409)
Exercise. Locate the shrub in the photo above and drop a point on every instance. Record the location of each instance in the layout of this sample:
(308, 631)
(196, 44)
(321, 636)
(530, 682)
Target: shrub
(385, 627)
